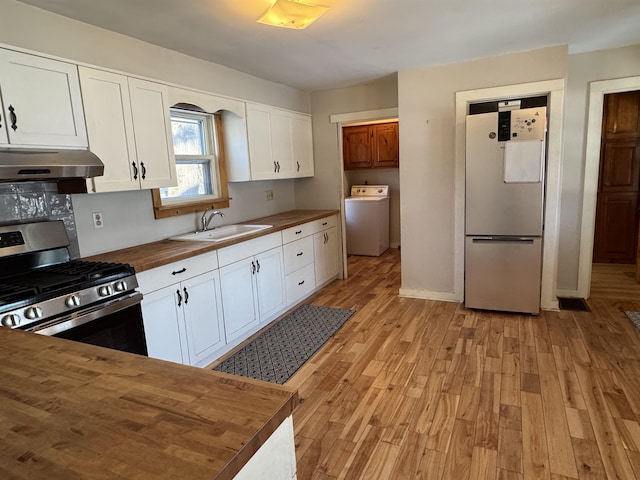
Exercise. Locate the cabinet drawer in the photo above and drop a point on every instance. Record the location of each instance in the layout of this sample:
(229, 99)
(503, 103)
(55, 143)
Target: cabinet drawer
(298, 254)
(160, 277)
(294, 233)
(248, 248)
(323, 223)
(299, 284)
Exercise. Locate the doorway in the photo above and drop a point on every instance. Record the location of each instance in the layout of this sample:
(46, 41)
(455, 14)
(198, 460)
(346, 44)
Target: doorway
(617, 215)
(597, 92)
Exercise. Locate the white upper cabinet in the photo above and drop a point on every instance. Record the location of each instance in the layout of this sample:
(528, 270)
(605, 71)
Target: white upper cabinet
(280, 143)
(41, 102)
(152, 128)
(128, 124)
(110, 128)
(302, 143)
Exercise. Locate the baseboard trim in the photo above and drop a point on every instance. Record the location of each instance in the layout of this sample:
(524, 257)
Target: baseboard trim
(429, 295)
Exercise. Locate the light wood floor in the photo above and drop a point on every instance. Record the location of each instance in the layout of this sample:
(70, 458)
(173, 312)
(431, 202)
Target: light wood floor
(412, 389)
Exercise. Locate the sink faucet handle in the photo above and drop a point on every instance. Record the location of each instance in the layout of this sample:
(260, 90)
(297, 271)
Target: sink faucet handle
(203, 220)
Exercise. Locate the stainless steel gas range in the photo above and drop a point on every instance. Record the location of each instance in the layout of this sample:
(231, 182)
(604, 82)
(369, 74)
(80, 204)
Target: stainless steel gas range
(43, 291)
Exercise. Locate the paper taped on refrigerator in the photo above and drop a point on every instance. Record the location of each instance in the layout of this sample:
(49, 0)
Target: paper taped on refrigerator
(523, 161)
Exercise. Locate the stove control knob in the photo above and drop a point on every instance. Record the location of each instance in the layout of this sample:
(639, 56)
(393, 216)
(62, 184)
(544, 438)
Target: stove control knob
(72, 301)
(11, 320)
(120, 286)
(105, 291)
(33, 313)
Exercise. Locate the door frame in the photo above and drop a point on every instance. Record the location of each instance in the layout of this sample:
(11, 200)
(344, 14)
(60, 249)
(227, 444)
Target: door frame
(555, 91)
(597, 91)
(341, 119)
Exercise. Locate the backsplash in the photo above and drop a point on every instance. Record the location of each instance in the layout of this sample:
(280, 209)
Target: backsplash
(38, 201)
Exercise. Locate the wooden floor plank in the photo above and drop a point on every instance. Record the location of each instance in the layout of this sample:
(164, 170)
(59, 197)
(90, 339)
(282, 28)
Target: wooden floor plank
(422, 389)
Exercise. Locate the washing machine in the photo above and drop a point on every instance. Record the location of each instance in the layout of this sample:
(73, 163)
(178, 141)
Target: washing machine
(367, 220)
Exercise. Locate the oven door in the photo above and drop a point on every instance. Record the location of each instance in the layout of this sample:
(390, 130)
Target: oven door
(115, 324)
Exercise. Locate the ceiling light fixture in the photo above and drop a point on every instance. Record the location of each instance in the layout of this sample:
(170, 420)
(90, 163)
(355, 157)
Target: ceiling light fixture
(292, 14)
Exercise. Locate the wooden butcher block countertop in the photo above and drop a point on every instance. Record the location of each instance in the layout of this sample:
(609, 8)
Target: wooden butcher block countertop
(152, 255)
(71, 411)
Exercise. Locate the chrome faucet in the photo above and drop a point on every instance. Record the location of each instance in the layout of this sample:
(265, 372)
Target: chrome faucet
(206, 221)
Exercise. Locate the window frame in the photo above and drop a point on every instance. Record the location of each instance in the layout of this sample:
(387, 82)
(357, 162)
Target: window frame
(165, 209)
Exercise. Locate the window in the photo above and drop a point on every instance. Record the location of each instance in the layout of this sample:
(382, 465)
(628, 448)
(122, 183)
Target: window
(199, 166)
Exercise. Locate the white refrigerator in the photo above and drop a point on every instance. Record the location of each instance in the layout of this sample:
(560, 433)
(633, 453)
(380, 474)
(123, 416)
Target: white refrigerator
(504, 175)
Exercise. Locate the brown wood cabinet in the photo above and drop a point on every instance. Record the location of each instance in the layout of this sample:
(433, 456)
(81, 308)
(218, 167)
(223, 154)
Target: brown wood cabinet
(371, 146)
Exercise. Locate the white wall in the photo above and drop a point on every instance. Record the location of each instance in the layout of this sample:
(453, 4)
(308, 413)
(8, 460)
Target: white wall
(324, 190)
(426, 103)
(583, 69)
(129, 215)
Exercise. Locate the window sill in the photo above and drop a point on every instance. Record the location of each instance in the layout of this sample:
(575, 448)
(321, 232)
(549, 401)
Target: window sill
(166, 211)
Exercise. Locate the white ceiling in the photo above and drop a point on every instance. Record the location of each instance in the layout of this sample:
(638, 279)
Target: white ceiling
(359, 40)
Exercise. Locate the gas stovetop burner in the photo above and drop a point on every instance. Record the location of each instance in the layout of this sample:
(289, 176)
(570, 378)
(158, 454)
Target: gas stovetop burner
(38, 281)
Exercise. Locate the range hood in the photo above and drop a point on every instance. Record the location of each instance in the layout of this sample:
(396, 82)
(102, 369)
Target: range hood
(19, 165)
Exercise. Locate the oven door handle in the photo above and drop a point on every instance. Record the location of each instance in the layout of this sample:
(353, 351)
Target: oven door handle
(86, 315)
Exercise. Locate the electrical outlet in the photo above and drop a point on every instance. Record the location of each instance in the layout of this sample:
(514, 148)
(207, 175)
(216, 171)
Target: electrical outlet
(98, 220)
(269, 194)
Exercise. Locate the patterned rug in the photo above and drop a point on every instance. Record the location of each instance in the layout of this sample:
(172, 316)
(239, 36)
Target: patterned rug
(281, 350)
(634, 317)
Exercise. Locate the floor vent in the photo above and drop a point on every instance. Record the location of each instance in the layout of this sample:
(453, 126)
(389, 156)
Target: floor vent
(576, 304)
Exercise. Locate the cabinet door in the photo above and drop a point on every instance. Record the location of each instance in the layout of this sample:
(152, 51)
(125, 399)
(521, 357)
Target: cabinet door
(203, 317)
(302, 146)
(42, 101)
(239, 302)
(164, 326)
(153, 138)
(110, 128)
(386, 152)
(326, 255)
(282, 143)
(356, 147)
(261, 158)
(270, 283)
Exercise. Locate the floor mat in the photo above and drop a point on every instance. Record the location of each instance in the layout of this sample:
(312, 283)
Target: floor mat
(280, 351)
(576, 304)
(634, 317)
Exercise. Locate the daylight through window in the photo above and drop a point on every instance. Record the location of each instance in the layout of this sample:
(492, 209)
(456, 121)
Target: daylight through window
(196, 158)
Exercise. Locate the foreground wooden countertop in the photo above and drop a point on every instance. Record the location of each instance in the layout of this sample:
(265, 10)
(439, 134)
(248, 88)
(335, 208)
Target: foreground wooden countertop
(74, 411)
(152, 255)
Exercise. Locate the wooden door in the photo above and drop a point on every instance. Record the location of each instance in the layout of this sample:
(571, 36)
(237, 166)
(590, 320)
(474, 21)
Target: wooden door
(617, 214)
(386, 153)
(356, 146)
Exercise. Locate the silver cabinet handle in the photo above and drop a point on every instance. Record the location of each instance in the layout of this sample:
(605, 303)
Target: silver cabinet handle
(502, 239)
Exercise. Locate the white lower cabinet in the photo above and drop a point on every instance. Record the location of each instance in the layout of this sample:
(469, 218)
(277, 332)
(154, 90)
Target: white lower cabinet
(299, 268)
(197, 309)
(252, 292)
(325, 247)
(182, 310)
(164, 326)
(183, 322)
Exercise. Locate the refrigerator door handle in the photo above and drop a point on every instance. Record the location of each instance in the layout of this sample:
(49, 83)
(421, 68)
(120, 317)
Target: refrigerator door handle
(502, 239)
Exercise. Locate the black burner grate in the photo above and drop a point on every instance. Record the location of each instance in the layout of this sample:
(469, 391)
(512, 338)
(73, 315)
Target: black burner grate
(11, 293)
(89, 270)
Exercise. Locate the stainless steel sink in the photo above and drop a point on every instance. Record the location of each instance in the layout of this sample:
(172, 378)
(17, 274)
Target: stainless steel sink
(221, 234)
